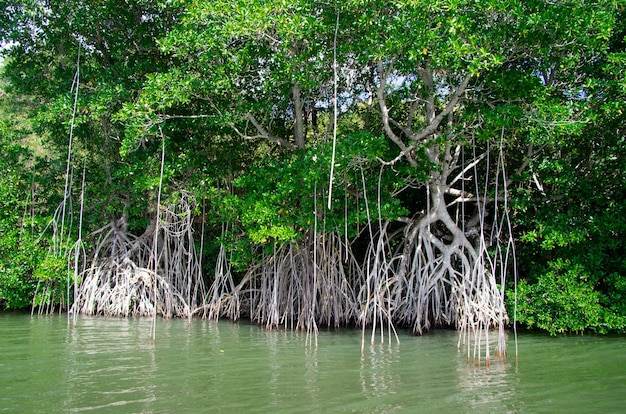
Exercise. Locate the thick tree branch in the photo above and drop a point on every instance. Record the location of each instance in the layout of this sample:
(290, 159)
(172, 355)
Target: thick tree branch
(436, 121)
(385, 114)
(262, 133)
(466, 168)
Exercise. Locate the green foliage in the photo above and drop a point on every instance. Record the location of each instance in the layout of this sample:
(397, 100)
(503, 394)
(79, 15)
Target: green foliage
(19, 256)
(277, 201)
(52, 276)
(573, 214)
(20, 248)
(106, 50)
(564, 299)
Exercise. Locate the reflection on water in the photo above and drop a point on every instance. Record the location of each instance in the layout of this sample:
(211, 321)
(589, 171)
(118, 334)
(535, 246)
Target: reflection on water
(487, 389)
(378, 379)
(110, 365)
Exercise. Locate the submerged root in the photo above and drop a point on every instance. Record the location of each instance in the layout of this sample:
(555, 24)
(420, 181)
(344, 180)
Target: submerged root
(422, 283)
(381, 293)
(431, 283)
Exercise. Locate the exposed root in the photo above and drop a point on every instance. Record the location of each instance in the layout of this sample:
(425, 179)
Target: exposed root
(121, 279)
(291, 289)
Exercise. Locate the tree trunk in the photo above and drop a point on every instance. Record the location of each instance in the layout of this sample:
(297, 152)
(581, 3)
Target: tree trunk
(298, 105)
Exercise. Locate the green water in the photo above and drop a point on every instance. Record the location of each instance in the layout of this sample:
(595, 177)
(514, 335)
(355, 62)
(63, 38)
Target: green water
(110, 365)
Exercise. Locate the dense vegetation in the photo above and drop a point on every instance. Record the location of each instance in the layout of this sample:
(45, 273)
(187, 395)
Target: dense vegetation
(379, 163)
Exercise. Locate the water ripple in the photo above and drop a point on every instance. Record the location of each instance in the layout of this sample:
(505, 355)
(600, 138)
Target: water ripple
(110, 365)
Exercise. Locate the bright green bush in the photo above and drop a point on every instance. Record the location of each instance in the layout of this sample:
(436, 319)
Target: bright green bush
(564, 299)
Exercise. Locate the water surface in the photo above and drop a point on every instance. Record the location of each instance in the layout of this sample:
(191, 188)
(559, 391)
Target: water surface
(110, 365)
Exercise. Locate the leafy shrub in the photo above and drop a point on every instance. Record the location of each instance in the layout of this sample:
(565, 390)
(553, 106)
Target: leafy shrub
(564, 299)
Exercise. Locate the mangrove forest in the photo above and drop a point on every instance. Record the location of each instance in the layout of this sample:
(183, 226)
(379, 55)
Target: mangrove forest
(310, 164)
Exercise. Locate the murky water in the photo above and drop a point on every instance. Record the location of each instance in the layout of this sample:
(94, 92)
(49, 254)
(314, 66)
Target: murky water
(110, 365)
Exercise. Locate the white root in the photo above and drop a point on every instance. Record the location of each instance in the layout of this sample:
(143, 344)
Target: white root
(121, 280)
